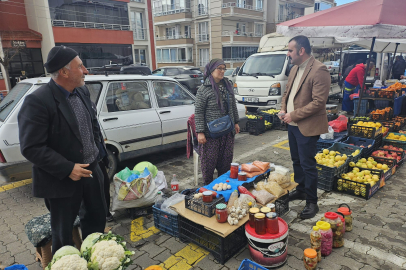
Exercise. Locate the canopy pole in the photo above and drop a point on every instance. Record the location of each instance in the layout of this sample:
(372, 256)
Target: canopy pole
(340, 72)
(393, 60)
(365, 76)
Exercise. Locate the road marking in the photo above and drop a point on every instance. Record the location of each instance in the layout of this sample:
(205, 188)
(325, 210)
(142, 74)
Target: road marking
(280, 145)
(138, 232)
(185, 258)
(15, 185)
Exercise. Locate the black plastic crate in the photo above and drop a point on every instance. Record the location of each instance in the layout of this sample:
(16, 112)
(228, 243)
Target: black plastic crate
(139, 211)
(166, 222)
(325, 177)
(354, 120)
(399, 153)
(378, 141)
(369, 93)
(378, 117)
(282, 205)
(259, 178)
(364, 132)
(268, 117)
(280, 125)
(391, 167)
(331, 117)
(385, 94)
(256, 126)
(222, 248)
(198, 206)
(323, 144)
(243, 124)
(358, 189)
(343, 148)
(367, 145)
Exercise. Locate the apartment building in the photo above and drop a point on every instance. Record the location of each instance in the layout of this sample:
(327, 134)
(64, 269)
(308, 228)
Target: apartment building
(103, 32)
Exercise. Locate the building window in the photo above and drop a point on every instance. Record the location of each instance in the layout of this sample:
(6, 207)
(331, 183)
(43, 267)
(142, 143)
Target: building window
(259, 5)
(174, 55)
(140, 56)
(202, 7)
(137, 23)
(238, 53)
(203, 57)
(203, 35)
(240, 29)
(165, 7)
(241, 3)
(281, 15)
(319, 6)
(259, 30)
(187, 31)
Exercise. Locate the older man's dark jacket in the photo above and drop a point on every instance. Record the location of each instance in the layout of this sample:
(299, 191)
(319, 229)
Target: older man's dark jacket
(50, 139)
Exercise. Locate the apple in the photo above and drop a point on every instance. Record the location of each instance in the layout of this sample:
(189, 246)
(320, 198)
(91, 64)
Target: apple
(386, 146)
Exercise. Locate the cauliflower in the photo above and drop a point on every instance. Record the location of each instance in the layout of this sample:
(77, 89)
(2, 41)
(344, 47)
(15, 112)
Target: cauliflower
(107, 254)
(70, 262)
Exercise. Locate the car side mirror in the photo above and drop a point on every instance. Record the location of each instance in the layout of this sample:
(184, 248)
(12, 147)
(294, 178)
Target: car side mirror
(235, 72)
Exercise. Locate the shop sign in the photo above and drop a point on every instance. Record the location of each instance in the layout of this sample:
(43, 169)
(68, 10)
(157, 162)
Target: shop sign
(18, 43)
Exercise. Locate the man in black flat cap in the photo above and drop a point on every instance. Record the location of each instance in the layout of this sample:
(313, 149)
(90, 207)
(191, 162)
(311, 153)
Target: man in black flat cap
(58, 135)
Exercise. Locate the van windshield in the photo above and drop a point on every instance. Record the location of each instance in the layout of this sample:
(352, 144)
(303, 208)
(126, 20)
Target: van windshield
(263, 65)
(12, 98)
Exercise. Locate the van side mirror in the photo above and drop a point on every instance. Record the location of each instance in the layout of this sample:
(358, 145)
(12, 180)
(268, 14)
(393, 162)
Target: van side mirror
(235, 72)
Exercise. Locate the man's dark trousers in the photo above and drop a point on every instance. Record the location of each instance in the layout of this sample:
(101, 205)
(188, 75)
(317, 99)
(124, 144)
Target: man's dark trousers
(303, 151)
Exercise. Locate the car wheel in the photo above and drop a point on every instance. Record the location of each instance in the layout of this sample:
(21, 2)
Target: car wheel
(113, 162)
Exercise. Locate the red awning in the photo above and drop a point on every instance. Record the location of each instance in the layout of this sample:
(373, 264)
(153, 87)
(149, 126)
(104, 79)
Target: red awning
(21, 35)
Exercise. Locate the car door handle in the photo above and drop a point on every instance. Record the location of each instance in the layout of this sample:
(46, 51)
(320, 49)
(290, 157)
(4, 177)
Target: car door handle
(162, 112)
(109, 119)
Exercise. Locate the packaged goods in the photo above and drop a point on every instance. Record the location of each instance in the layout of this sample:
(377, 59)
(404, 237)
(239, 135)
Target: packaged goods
(249, 168)
(336, 226)
(272, 223)
(310, 259)
(346, 211)
(315, 241)
(263, 196)
(243, 201)
(262, 165)
(233, 197)
(282, 180)
(275, 189)
(260, 224)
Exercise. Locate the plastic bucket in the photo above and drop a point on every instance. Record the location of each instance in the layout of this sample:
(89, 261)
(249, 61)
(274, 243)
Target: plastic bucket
(269, 250)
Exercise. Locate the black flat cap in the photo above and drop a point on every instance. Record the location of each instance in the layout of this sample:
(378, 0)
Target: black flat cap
(58, 57)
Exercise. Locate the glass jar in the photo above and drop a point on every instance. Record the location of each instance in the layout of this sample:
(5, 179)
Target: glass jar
(315, 241)
(346, 211)
(272, 223)
(221, 213)
(342, 217)
(336, 226)
(260, 223)
(234, 170)
(252, 213)
(242, 176)
(326, 238)
(271, 206)
(265, 210)
(310, 259)
(207, 196)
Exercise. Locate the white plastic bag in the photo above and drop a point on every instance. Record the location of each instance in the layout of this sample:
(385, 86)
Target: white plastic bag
(329, 135)
(160, 180)
(280, 169)
(174, 199)
(378, 84)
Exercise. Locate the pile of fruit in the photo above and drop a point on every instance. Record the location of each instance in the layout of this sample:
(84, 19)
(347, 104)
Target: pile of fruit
(366, 133)
(331, 158)
(251, 116)
(364, 176)
(391, 147)
(396, 86)
(369, 164)
(387, 154)
(368, 124)
(268, 125)
(271, 111)
(381, 114)
(394, 137)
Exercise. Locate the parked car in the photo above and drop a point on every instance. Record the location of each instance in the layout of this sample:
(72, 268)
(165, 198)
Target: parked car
(230, 74)
(332, 66)
(189, 76)
(138, 115)
(137, 69)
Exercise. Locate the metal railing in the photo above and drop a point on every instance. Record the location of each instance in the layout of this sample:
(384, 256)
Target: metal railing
(138, 1)
(201, 11)
(236, 4)
(175, 61)
(203, 37)
(90, 25)
(173, 37)
(240, 34)
(160, 12)
(139, 34)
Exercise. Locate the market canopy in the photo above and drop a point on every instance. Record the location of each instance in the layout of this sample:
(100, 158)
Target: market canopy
(361, 19)
(381, 45)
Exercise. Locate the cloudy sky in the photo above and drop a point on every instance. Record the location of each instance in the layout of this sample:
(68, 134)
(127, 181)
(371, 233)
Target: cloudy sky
(342, 2)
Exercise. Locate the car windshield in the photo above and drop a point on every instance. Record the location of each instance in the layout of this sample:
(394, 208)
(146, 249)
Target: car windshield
(263, 65)
(228, 72)
(11, 100)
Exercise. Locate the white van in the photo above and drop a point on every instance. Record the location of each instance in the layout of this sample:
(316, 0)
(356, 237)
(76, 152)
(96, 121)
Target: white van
(138, 115)
(261, 80)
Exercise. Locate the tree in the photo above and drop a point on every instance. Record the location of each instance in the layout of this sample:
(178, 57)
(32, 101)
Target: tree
(9, 52)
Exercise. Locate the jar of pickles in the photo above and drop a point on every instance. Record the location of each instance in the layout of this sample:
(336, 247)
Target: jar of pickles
(310, 259)
(336, 226)
(346, 211)
(326, 237)
(315, 241)
(341, 216)
(252, 213)
(260, 223)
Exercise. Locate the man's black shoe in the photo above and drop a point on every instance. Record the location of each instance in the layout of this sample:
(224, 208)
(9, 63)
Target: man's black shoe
(297, 195)
(109, 217)
(310, 210)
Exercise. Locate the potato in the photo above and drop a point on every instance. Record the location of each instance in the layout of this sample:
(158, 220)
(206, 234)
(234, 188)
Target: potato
(219, 189)
(225, 187)
(215, 186)
(228, 186)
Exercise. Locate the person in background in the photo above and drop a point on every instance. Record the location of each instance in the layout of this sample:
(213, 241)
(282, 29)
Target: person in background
(398, 68)
(350, 67)
(304, 109)
(352, 83)
(211, 104)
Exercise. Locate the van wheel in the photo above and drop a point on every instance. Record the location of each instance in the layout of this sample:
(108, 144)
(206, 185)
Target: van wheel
(112, 164)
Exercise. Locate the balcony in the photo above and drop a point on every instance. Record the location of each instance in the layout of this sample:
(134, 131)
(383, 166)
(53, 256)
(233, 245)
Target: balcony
(140, 34)
(201, 38)
(202, 11)
(173, 40)
(234, 9)
(89, 25)
(231, 37)
(176, 14)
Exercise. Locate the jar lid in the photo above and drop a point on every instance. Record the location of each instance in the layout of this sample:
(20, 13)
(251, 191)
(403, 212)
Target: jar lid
(242, 173)
(310, 253)
(254, 210)
(272, 215)
(260, 215)
(207, 193)
(270, 205)
(235, 164)
(221, 206)
(265, 209)
(323, 225)
(315, 228)
(331, 215)
(345, 211)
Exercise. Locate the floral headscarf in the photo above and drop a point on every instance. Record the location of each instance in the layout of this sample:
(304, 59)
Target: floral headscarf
(208, 70)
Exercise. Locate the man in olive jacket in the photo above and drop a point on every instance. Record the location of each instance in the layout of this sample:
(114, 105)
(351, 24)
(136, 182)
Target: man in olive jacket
(304, 109)
(58, 135)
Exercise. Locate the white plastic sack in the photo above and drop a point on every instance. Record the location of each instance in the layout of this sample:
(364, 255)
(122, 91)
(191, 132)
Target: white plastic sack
(160, 180)
(174, 199)
(329, 135)
(280, 169)
(378, 84)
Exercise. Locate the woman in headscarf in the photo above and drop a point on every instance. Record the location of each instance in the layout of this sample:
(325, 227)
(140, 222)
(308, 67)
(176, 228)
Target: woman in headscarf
(211, 104)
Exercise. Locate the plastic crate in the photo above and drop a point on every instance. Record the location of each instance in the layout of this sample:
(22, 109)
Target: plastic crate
(364, 132)
(282, 205)
(256, 126)
(354, 120)
(280, 125)
(401, 144)
(348, 150)
(250, 265)
(331, 117)
(399, 153)
(268, 117)
(370, 93)
(198, 206)
(358, 189)
(363, 109)
(222, 248)
(378, 141)
(243, 124)
(378, 116)
(338, 137)
(139, 211)
(385, 94)
(391, 167)
(325, 177)
(166, 222)
(397, 106)
(363, 143)
(389, 124)
(381, 104)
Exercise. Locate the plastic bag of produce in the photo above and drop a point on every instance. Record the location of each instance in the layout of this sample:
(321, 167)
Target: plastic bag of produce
(243, 201)
(250, 168)
(260, 186)
(262, 165)
(282, 180)
(329, 135)
(340, 124)
(274, 188)
(263, 196)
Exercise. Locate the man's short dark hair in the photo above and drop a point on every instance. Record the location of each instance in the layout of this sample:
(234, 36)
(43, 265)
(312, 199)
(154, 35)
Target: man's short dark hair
(302, 42)
(371, 61)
